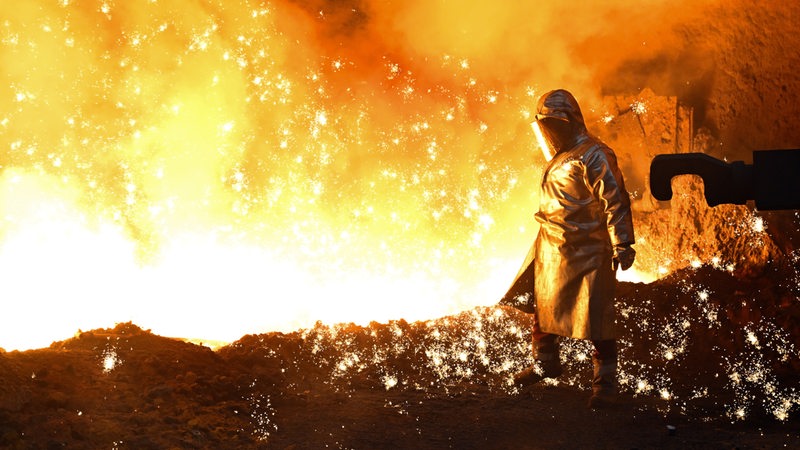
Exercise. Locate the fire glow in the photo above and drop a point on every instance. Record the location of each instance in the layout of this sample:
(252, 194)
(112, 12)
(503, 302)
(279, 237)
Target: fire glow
(235, 168)
(213, 174)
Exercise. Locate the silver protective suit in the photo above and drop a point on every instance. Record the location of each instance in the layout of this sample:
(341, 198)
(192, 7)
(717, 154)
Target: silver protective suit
(584, 215)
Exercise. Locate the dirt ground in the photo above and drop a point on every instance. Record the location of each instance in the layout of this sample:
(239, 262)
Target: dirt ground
(730, 381)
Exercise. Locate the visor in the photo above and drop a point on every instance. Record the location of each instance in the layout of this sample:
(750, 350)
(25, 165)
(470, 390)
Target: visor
(560, 115)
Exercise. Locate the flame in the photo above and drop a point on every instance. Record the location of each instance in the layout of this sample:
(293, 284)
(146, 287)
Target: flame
(233, 167)
(63, 273)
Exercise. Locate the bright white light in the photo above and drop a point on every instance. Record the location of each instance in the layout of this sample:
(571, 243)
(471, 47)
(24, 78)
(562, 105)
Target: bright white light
(639, 107)
(634, 275)
(758, 224)
(389, 382)
(109, 360)
(321, 118)
(62, 274)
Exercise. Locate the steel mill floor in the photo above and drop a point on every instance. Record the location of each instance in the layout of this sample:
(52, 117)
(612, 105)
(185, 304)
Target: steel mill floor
(711, 370)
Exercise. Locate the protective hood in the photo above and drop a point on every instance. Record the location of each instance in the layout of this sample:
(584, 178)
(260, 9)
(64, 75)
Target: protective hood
(559, 104)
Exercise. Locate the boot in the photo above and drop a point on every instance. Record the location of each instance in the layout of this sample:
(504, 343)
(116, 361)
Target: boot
(547, 364)
(604, 383)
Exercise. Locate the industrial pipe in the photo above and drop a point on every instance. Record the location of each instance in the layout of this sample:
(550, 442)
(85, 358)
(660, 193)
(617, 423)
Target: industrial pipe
(772, 181)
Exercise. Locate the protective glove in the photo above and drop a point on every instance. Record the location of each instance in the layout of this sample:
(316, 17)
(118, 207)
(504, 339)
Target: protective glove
(624, 255)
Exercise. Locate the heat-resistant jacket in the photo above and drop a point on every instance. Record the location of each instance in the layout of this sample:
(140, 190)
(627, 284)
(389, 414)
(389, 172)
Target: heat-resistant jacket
(584, 212)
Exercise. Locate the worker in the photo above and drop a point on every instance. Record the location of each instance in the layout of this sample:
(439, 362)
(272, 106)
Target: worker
(586, 233)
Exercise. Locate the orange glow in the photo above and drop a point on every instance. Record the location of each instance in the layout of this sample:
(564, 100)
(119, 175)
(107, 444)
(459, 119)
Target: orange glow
(213, 172)
(210, 169)
(64, 272)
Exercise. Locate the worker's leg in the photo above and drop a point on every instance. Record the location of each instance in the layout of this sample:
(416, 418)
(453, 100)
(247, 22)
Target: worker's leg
(604, 382)
(547, 363)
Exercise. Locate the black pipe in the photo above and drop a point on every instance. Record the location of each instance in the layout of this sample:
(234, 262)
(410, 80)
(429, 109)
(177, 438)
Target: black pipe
(772, 181)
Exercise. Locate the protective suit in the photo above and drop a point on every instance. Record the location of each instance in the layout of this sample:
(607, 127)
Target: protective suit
(585, 228)
(585, 214)
(586, 231)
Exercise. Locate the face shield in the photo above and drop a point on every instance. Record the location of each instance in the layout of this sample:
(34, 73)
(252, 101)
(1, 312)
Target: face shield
(557, 122)
(552, 133)
(544, 146)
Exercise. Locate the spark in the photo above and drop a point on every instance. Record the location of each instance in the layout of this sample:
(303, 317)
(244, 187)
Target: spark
(390, 382)
(262, 413)
(110, 360)
(752, 339)
(758, 224)
(639, 107)
(321, 118)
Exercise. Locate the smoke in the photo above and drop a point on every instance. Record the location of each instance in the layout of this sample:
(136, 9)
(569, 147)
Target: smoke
(590, 48)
